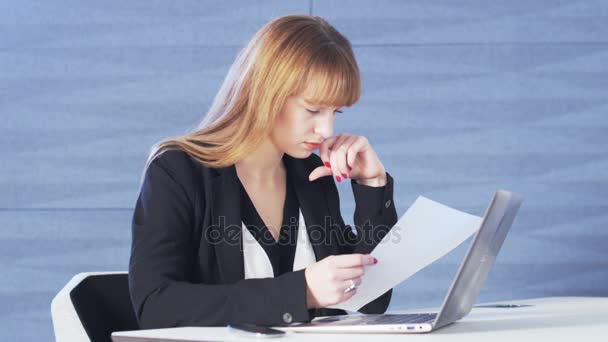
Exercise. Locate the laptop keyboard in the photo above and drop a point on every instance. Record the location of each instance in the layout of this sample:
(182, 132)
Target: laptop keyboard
(400, 318)
(374, 319)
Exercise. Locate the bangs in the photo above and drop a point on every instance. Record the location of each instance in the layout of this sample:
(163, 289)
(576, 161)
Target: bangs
(331, 79)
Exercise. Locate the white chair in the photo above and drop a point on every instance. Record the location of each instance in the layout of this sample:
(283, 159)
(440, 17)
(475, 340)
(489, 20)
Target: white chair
(91, 306)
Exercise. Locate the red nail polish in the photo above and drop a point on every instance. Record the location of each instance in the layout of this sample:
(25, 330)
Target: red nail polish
(350, 168)
(338, 178)
(344, 175)
(327, 164)
(375, 261)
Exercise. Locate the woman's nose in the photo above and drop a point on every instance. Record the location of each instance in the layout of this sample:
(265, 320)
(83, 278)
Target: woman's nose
(325, 126)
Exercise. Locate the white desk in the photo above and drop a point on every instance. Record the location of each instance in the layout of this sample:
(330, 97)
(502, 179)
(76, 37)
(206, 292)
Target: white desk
(552, 319)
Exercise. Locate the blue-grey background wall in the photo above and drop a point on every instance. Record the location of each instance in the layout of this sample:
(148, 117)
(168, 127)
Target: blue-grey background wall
(460, 98)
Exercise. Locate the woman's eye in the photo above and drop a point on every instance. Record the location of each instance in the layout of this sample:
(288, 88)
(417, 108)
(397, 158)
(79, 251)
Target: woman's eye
(318, 111)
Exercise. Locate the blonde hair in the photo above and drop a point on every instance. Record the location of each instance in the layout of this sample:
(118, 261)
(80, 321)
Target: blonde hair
(284, 58)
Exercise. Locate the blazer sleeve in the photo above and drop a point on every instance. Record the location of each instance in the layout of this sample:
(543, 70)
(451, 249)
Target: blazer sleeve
(374, 216)
(163, 257)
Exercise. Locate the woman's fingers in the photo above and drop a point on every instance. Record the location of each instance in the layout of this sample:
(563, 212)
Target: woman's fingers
(349, 273)
(327, 279)
(337, 153)
(333, 159)
(356, 280)
(341, 154)
(324, 148)
(319, 172)
(346, 296)
(352, 260)
(347, 284)
(324, 153)
(355, 147)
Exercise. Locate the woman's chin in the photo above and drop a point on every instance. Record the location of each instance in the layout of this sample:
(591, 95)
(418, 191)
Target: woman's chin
(300, 153)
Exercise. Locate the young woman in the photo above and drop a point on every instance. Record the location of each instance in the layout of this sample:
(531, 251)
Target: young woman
(239, 221)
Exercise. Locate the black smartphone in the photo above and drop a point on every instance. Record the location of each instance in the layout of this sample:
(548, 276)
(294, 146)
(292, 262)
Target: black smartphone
(257, 330)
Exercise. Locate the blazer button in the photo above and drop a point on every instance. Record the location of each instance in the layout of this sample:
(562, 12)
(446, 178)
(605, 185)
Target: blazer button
(387, 204)
(287, 317)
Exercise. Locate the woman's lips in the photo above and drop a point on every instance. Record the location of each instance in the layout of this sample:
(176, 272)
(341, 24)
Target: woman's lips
(312, 146)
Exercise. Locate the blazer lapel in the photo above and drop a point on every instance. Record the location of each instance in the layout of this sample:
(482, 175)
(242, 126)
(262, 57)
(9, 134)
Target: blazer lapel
(226, 218)
(313, 204)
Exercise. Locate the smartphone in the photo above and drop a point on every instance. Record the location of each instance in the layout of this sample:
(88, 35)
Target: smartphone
(256, 330)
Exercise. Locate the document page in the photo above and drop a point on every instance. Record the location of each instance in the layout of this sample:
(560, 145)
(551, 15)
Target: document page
(427, 231)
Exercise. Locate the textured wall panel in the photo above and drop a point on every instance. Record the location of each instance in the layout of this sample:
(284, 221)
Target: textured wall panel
(460, 98)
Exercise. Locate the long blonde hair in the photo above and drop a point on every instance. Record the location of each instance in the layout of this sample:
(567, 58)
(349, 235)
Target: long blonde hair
(286, 57)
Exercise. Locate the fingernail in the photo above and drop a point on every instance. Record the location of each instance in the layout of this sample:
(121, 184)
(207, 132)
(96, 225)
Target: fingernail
(375, 261)
(350, 168)
(344, 175)
(338, 178)
(327, 164)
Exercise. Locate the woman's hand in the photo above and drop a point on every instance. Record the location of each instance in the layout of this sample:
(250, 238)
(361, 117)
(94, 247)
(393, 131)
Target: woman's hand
(327, 279)
(350, 156)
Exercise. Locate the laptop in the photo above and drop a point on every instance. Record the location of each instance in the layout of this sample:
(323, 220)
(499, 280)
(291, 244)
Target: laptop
(461, 296)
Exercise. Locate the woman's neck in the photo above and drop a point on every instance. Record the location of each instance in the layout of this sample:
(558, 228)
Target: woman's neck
(263, 166)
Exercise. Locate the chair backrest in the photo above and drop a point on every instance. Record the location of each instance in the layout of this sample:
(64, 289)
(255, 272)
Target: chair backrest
(92, 306)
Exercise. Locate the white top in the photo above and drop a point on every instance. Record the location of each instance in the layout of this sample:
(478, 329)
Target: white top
(256, 261)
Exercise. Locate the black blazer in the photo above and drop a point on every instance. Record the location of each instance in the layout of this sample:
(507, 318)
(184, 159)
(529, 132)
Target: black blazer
(186, 266)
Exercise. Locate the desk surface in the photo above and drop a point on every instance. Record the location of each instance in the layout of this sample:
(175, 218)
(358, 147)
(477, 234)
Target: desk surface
(556, 318)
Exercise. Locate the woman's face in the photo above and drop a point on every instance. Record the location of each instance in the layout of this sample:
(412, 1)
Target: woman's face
(301, 125)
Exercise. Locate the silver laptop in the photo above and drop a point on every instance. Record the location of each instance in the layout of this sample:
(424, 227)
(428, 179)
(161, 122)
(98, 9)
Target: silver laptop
(462, 293)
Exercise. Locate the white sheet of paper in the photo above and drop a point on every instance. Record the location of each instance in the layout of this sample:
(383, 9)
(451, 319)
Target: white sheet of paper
(427, 231)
